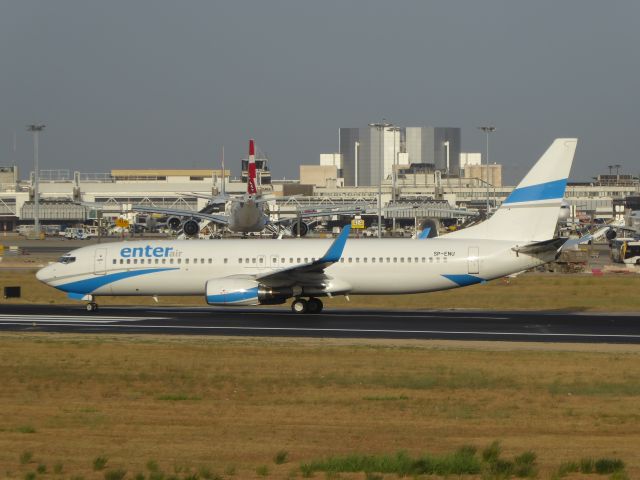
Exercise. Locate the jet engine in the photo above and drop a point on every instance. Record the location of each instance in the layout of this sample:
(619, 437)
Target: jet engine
(191, 228)
(304, 228)
(241, 291)
(611, 234)
(565, 211)
(174, 223)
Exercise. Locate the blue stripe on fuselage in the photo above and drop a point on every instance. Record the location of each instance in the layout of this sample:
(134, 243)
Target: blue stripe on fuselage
(91, 284)
(541, 191)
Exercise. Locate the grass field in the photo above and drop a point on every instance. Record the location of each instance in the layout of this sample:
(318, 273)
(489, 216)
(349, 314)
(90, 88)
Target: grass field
(526, 292)
(93, 407)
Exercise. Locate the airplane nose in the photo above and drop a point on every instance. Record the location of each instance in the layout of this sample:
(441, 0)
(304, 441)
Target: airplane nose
(42, 274)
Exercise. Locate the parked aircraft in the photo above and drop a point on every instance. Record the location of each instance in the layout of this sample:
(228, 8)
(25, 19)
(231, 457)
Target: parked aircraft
(520, 235)
(246, 213)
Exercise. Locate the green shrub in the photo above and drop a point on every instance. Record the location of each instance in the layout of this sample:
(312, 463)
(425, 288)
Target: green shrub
(30, 476)
(524, 465)
(41, 468)
(26, 429)
(99, 463)
(117, 474)
(587, 465)
(307, 470)
(57, 468)
(152, 466)
(26, 457)
(139, 476)
(492, 452)
(262, 471)
(281, 457)
(608, 465)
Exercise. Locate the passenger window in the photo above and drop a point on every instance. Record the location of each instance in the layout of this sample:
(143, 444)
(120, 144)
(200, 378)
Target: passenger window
(114, 261)
(164, 260)
(253, 260)
(239, 260)
(157, 261)
(121, 261)
(298, 260)
(226, 260)
(416, 259)
(430, 259)
(409, 259)
(423, 259)
(210, 260)
(401, 259)
(395, 259)
(180, 260)
(388, 259)
(290, 260)
(341, 259)
(373, 260)
(364, 259)
(128, 261)
(202, 260)
(350, 259)
(171, 260)
(260, 260)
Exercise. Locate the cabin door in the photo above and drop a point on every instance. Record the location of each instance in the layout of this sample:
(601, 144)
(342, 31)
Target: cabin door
(473, 260)
(100, 261)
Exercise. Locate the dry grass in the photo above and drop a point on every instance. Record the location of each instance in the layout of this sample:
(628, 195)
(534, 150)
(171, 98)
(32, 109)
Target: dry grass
(233, 404)
(527, 292)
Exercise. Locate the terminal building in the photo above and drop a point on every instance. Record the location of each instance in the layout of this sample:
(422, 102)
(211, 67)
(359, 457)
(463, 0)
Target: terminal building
(416, 166)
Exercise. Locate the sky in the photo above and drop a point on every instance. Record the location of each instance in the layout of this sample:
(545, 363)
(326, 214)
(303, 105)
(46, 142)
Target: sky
(165, 84)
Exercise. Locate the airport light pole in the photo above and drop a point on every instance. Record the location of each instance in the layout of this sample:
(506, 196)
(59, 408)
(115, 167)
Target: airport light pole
(380, 127)
(395, 131)
(36, 128)
(487, 130)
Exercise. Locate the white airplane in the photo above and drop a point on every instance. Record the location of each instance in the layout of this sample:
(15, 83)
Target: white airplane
(246, 213)
(519, 236)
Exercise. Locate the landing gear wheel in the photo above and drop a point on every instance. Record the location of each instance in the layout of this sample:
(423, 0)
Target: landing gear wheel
(299, 306)
(92, 307)
(314, 305)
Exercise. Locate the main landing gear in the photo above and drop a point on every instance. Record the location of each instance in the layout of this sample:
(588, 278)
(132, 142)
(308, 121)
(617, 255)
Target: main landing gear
(313, 305)
(92, 307)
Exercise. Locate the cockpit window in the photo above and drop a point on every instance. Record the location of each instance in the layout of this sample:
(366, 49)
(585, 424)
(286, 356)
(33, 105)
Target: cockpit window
(67, 259)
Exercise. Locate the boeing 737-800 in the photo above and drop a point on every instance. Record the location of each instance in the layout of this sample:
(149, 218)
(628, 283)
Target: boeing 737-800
(520, 235)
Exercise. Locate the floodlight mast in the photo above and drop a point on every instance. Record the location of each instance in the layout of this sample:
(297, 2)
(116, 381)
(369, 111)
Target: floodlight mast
(36, 128)
(487, 130)
(380, 127)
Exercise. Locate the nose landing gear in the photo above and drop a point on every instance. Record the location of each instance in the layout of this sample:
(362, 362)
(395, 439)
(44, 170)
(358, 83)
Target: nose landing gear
(312, 306)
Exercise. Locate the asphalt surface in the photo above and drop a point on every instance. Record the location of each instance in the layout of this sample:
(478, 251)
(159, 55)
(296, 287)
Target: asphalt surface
(332, 323)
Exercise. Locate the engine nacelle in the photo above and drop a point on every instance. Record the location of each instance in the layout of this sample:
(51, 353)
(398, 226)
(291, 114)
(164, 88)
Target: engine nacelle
(611, 234)
(191, 228)
(241, 291)
(304, 228)
(174, 223)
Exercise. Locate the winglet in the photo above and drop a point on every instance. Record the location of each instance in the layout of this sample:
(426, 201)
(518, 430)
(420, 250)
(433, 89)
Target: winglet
(424, 234)
(337, 247)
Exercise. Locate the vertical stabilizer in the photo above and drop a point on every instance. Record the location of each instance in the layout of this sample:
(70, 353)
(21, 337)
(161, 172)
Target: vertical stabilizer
(531, 212)
(251, 170)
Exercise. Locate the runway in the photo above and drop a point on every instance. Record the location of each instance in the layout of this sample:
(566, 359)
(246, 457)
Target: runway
(338, 323)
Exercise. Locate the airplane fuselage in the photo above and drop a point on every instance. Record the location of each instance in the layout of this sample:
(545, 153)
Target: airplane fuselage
(387, 266)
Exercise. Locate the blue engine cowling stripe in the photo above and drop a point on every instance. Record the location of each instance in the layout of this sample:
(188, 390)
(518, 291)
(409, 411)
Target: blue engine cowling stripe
(234, 297)
(541, 191)
(90, 284)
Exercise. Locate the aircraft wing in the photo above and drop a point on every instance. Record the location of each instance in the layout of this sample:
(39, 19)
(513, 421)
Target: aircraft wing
(311, 273)
(221, 219)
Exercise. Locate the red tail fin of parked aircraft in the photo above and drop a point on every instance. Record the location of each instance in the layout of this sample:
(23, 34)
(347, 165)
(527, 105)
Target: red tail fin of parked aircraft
(251, 172)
